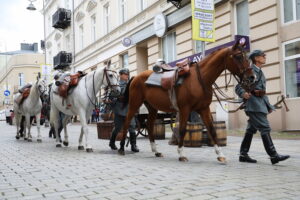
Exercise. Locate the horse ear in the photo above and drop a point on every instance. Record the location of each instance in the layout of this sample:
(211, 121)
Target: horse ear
(236, 44)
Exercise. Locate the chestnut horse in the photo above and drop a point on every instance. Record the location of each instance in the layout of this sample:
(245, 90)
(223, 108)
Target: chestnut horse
(195, 94)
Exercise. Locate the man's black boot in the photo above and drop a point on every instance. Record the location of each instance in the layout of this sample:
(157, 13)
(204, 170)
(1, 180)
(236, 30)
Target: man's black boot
(245, 146)
(113, 140)
(270, 149)
(132, 138)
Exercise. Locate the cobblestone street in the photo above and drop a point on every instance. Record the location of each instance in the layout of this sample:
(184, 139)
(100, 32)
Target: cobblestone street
(42, 171)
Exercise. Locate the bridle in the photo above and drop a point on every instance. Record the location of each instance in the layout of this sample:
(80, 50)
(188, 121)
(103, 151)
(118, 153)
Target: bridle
(42, 92)
(109, 85)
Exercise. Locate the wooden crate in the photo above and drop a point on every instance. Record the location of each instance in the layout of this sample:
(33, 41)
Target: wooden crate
(104, 130)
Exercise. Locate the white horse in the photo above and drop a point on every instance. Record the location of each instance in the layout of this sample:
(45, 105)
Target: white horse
(31, 106)
(81, 102)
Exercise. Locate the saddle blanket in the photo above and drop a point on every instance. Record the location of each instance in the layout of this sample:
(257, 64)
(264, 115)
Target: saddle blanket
(155, 80)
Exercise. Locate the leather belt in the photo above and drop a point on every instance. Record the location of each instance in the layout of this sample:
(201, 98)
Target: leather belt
(258, 93)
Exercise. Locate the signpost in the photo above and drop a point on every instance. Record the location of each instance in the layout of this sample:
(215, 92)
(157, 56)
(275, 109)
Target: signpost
(6, 93)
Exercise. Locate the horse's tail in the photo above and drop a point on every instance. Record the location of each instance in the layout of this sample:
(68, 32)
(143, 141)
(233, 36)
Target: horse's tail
(126, 93)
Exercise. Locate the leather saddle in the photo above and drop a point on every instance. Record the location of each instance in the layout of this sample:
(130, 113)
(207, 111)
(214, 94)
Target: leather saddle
(66, 82)
(24, 93)
(171, 74)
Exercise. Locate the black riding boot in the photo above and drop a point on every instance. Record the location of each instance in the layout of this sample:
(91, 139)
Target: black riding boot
(113, 140)
(245, 146)
(132, 138)
(270, 149)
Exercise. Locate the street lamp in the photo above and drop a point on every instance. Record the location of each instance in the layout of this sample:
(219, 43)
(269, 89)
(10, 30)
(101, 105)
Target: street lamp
(31, 6)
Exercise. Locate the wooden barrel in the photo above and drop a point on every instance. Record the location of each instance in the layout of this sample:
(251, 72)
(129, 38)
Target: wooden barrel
(159, 130)
(104, 129)
(205, 139)
(193, 135)
(220, 127)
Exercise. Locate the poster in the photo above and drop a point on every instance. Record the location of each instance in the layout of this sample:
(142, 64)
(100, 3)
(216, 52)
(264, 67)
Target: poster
(203, 20)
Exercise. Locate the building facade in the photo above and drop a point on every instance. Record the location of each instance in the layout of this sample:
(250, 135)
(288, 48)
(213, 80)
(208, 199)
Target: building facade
(18, 68)
(123, 32)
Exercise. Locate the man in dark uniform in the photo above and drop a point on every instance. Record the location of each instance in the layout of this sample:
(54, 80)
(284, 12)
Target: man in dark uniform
(257, 107)
(120, 113)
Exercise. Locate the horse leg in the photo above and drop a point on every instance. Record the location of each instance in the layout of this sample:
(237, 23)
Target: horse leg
(28, 127)
(17, 117)
(183, 117)
(208, 121)
(64, 123)
(83, 119)
(54, 117)
(80, 146)
(150, 126)
(38, 125)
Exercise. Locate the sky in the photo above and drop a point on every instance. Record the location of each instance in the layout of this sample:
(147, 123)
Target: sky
(19, 25)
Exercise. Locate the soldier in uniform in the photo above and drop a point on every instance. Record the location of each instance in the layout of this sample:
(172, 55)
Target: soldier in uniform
(257, 107)
(120, 113)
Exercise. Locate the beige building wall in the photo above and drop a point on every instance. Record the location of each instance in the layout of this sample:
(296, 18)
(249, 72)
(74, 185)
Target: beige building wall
(28, 64)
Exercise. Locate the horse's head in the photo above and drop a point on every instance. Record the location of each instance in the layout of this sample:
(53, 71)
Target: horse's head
(42, 87)
(238, 63)
(110, 80)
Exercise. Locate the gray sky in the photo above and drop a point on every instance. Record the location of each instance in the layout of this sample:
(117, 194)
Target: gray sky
(17, 24)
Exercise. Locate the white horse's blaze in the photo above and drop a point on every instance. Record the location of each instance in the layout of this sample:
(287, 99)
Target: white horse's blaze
(82, 99)
(219, 151)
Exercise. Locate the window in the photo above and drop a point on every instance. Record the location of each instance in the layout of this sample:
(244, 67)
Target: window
(142, 5)
(93, 28)
(106, 18)
(291, 10)
(169, 47)
(125, 62)
(199, 46)
(122, 11)
(242, 18)
(81, 38)
(21, 79)
(292, 68)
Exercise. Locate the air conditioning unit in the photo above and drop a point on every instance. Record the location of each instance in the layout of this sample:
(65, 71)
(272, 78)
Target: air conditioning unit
(61, 18)
(62, 60)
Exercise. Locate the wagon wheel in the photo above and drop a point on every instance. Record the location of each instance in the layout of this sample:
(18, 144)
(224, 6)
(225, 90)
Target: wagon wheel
(141, 128)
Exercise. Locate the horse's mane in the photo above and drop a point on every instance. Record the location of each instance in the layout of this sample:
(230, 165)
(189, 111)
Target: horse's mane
(208, 57)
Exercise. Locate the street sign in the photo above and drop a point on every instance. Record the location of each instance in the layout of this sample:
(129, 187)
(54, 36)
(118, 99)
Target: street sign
(6, 92)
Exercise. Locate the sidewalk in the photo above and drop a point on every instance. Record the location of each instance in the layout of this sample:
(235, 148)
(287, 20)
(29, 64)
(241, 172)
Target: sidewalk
(42, 171)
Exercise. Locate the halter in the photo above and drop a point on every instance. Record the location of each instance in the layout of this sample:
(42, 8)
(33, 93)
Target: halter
(109, 85)
(38, 88)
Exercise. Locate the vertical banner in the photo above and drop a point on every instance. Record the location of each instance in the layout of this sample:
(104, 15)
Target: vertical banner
(203, 20)
(46, 73)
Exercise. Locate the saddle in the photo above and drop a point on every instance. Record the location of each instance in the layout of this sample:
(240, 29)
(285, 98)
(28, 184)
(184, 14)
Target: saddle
(24, 93)
(69, 81)
(171, 74)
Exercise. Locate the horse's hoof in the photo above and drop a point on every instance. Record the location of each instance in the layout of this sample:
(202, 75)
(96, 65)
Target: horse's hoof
(58, 145)
(25, 138)
(17, 137)
(89, 150)
(159, 155)
(121, 152)
(80, 147)
(29, 140)
(183, 159)
(222, 160)
(39, 140)
(66, 143)
(21, 135)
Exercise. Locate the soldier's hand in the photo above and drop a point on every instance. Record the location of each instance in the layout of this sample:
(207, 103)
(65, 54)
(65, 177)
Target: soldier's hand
(246, 95)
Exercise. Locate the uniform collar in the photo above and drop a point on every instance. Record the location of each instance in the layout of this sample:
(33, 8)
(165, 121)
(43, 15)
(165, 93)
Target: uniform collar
(257, 69)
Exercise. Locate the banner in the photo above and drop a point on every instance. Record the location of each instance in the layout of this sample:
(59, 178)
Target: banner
(203, 20)
(46, 74)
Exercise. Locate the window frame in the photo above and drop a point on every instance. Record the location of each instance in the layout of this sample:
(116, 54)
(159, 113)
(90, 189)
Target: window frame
(93, 28)
(162, 46)
(286, 59)
(122, 11)
(235, 17)
(294, 13)
(21, 79)
(122, 60)
(106, 13)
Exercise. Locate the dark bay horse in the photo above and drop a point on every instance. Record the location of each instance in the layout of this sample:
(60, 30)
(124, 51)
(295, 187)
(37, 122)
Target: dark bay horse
(195, 94)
